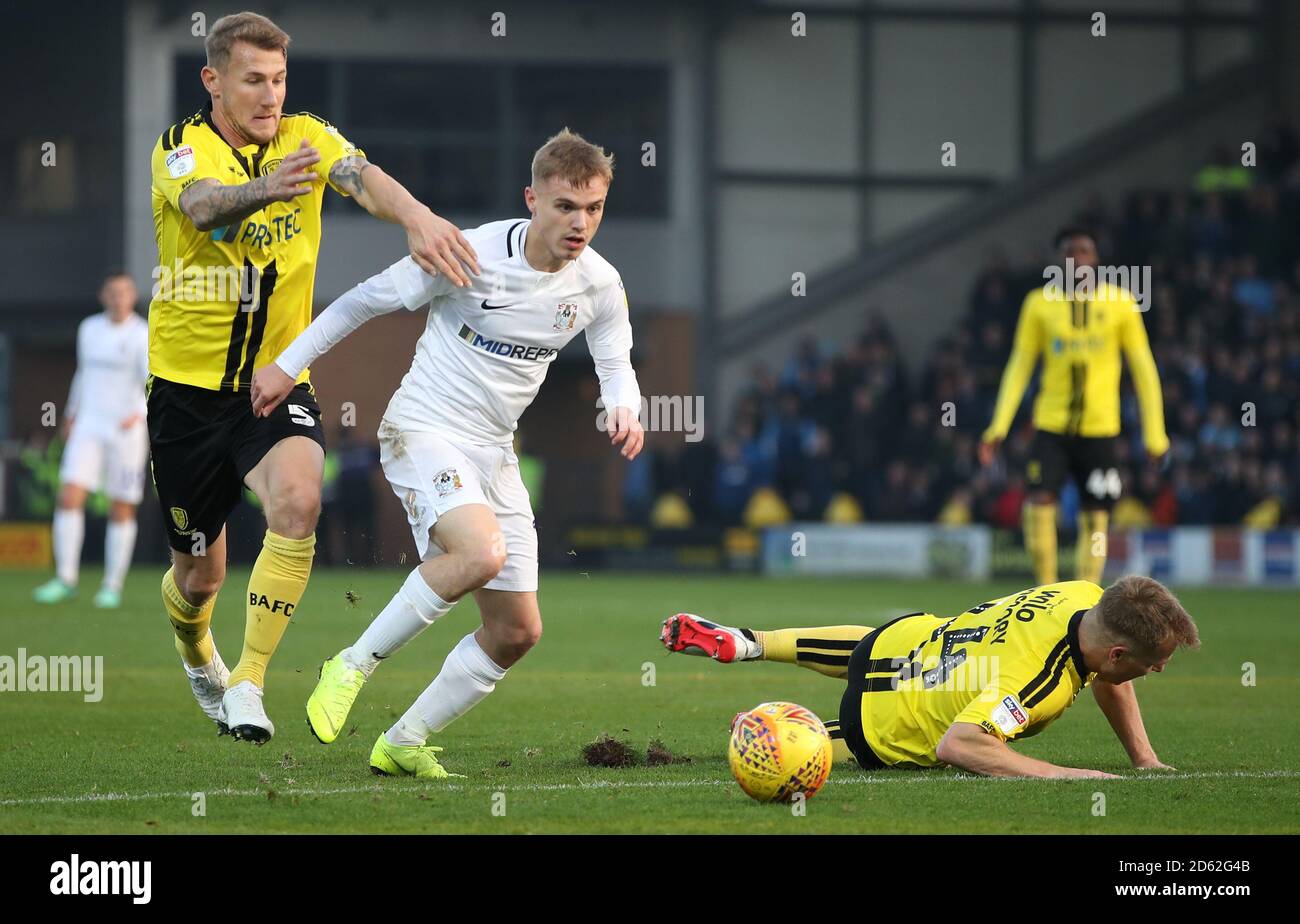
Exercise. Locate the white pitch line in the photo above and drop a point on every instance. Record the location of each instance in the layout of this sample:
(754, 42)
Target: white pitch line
(378, 788)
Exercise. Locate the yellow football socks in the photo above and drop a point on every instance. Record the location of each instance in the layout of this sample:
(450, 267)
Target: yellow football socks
(190, 622)
(839, 748)
(276, 585)
(1040, 540)
(824, 649)
(1090, 552)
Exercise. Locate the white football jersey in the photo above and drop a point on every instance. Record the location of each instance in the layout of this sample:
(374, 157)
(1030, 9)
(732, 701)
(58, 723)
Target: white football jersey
(486, 348)
(112, 366)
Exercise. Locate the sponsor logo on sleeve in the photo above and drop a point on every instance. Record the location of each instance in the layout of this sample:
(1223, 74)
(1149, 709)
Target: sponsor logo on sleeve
(180, 162)
(1010, 716)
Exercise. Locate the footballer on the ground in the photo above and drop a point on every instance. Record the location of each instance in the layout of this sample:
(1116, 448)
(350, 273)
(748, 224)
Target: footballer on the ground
(446, 437)
(925, 690)
(237, 191)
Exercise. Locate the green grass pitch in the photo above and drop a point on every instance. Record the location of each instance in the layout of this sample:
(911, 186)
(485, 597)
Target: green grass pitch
(132, 762)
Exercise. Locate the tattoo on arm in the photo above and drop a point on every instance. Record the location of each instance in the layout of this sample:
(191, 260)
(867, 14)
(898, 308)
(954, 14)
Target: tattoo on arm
(346, 173)
(212, 204)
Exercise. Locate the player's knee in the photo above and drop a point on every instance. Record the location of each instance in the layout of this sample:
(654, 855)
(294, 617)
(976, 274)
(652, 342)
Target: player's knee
(531, 636)
(295, 510)
(199, 586)
(515, 641)
(198, 577)
(484, 564)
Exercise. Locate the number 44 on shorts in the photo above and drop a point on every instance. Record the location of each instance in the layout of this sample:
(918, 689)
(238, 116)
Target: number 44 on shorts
(1104, 483)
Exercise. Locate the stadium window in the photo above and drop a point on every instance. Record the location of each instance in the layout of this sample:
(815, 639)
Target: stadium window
(447, 148)
(395, 96)
(41, 190)
(442, 146)
(620, 108)
(308, 87)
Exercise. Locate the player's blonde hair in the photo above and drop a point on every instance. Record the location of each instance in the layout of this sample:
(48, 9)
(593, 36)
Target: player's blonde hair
(1142, 611)
(571, 158)
(253, 28)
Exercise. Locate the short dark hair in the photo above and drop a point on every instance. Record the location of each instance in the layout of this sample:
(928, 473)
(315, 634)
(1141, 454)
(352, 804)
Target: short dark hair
(116, 272)
(253, 28)
(572, 159)
(1142, 612)
(1069, 231)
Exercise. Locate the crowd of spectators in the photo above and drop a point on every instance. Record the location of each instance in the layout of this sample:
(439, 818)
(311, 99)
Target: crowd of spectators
(855, 424)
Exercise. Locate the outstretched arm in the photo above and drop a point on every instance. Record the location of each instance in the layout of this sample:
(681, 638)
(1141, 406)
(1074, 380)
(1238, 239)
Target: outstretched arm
(1015, 378)
(1119, 704)
(1146, 382)
(967, 746)
(621, 396)
(380, 294)
(209, 203)
(609, 338)
(437, 245)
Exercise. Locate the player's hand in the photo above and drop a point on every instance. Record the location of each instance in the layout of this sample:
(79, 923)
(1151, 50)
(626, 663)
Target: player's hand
(271, 385)
(294, 176)
(437, 246)
(989, 451)
(1082, 774)
(1152, 763)
(129, 422)
(623, 427)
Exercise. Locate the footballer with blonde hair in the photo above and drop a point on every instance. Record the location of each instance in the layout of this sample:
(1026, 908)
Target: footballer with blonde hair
(926, 690)
(446, 437)
(238, 189)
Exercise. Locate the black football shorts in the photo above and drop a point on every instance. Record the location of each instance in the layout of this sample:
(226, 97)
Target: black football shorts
(1090, 461)
(203, 443)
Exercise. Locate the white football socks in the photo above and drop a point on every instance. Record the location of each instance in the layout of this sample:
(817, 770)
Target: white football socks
(414, 608)
(119, 543)
(69, 531)
(467, 677)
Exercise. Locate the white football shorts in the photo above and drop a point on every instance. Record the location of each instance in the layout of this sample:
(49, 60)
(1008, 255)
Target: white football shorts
(109, 459)
(431, 475)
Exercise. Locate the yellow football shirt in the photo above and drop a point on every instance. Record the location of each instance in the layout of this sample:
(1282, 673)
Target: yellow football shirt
(1080, 342)
(1011, 666)
(229, 300)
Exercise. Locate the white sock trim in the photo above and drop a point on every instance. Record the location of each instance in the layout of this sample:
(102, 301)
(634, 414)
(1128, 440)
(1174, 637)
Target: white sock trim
(428, 603)
(414, 608)
(476, 661)
(467, 677)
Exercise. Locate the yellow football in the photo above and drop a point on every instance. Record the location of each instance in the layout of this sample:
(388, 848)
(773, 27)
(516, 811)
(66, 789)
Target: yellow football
(779, 750)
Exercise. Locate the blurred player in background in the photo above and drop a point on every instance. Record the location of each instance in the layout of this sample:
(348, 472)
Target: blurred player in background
(107, 444)
(1077, 412)
(925, 690)
(237, 192)
(445, 439)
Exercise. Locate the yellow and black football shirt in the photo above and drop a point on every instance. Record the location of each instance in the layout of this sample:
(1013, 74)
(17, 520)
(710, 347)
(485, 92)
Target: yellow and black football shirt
(1011, 666)
(1080, 342)
(227, 301)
